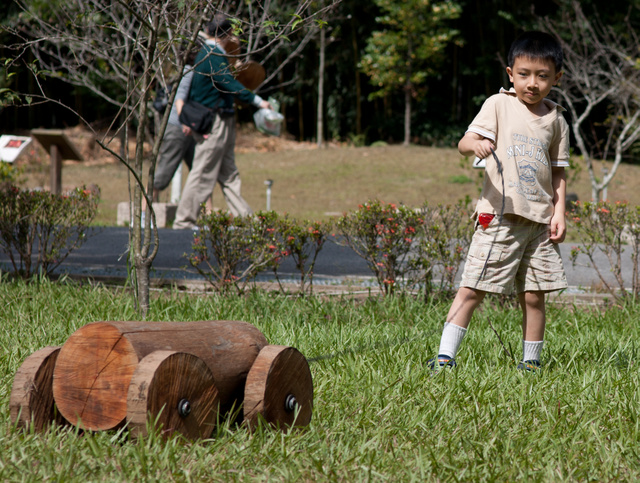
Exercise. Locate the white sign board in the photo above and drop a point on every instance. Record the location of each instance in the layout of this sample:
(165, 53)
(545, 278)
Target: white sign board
(12, 146)
(479, 163)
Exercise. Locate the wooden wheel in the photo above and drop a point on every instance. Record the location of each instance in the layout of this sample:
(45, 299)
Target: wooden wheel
(279, 388)
(175, 390)
(31, 400)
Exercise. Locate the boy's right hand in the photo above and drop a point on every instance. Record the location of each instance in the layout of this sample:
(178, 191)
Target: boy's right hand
(483, 148)
(473, 143)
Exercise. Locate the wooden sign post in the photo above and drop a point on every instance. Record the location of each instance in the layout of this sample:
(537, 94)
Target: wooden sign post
(59, 147)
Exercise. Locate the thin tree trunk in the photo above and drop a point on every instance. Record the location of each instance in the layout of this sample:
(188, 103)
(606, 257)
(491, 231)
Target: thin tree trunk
(300, 116)
(407, 98)
(407, 116)
(356, 60)
(141, 240)
(321, 89)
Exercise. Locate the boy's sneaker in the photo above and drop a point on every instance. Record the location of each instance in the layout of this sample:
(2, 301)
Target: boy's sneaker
(441, 362)
(529, 366)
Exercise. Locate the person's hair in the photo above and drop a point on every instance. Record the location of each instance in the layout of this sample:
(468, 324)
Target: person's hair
(219, 26)
(536, 45)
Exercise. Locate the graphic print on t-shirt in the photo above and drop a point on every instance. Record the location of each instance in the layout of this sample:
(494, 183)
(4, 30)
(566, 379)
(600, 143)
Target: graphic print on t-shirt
(528, 153)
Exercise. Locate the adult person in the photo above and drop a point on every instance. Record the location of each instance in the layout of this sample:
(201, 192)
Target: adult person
(214, 86)
(176, 145)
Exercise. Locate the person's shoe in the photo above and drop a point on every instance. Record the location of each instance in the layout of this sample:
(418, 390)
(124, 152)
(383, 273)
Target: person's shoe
(529, 366)
(441, 362)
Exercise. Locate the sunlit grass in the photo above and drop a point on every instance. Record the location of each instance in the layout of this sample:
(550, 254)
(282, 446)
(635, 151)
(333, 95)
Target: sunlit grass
(378, 415)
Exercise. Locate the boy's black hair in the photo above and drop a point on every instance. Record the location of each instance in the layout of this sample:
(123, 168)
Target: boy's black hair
(536, 45)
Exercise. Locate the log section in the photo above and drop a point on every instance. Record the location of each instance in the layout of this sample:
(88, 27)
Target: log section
(31, 401)
(95, 366)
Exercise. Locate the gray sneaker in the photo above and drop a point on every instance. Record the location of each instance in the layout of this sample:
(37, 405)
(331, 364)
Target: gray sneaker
(529, 366)
(441, 362)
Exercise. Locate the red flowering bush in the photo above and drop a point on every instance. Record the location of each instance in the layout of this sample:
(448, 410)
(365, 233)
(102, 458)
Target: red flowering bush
(231, 251)
(383, 235)
(39, 229)
(407, 248)
(302, 242)
(404, 248)
(609, 229)
(442, 243)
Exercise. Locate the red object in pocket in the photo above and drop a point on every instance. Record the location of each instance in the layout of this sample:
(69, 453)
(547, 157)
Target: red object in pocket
(484, 219)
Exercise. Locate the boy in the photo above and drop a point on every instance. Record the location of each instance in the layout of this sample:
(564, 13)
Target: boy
(520, 216)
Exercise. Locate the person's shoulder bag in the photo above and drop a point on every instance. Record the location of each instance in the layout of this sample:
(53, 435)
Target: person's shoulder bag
(197, 116)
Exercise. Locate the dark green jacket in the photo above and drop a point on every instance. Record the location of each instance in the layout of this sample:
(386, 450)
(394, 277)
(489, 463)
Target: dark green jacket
(213, 85)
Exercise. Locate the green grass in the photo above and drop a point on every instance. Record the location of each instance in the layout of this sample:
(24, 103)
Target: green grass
(378, 415)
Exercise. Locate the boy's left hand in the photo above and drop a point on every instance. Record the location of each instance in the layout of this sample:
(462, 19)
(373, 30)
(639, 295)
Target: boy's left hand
(558, 228)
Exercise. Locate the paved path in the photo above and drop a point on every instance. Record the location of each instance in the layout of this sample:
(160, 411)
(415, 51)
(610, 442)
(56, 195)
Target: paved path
(104, 255)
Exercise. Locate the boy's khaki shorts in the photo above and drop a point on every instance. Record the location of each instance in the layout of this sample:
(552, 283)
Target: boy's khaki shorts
(516, 253)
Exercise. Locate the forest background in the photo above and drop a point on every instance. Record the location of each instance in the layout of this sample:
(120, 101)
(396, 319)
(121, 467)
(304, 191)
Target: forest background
(455, 83)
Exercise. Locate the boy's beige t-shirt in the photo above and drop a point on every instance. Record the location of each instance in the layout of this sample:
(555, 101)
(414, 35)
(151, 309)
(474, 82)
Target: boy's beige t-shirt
(527, 148)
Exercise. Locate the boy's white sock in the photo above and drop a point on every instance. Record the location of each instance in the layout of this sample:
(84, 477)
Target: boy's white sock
(531, 350)
(452, 336)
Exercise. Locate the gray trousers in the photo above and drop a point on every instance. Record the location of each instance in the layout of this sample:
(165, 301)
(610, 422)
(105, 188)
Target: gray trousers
(214, 161)
(175, 148)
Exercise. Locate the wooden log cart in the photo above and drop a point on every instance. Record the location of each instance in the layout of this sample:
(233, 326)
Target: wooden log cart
(181, 376)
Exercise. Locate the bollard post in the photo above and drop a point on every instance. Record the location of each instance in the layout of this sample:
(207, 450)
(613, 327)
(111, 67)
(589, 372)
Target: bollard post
(269, 184)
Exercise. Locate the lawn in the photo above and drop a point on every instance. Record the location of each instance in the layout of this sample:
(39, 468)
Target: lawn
(379, 415)
(317, 183)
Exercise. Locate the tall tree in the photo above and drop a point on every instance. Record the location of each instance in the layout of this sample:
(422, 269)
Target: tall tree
(409, 48)
(119, 50)
(601, 86)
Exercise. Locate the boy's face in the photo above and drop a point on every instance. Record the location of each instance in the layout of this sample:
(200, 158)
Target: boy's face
(533, 79)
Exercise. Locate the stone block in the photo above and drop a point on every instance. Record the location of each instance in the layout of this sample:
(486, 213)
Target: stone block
(165, 213)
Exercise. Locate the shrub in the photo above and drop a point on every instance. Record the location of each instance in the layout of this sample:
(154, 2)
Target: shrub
(303, 242)
(442, 243)
(230, 251)
(608, 228)
(9, 174)
(407, 248)
(403, 247)
(43, 224)
(383, 235)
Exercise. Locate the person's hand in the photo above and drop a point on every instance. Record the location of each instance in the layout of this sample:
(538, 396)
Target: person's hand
(265, 105)
(483, 148)
(558, 228)
(179, 103)
(186, 130)
(474, 144)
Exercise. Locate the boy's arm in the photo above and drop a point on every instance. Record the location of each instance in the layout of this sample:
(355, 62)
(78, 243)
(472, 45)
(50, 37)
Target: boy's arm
(558, 224)
(474, 144)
